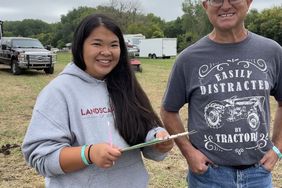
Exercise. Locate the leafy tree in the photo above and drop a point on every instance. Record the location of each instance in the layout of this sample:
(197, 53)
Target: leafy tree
(152, 26)
(186, 38)
(29, 28)
(195, 23)
(267, 23)
(68, 24)
(135, 28)
(158, 34)
(174, 28)
(252, 21)
(26, 28)
(125, 11)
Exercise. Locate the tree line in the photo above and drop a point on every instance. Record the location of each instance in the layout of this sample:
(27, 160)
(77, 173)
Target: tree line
(188, 28)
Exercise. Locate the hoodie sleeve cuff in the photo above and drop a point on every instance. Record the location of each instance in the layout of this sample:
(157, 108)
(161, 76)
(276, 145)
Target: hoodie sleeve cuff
(150, 152)
(53, 163)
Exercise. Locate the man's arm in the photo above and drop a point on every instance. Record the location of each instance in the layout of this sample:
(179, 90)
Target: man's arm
(196, 160)
(270, 158)
(277, 127)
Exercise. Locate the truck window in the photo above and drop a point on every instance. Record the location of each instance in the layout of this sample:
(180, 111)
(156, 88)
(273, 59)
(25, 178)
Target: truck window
(23, 43)
(8, 43)
(3, 41)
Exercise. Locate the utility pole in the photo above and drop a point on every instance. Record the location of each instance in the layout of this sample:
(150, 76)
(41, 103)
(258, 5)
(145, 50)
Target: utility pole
(1, 29)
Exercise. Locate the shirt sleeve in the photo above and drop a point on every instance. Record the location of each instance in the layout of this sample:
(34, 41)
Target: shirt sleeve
(47, 134)
(277, 92)
(175, 94)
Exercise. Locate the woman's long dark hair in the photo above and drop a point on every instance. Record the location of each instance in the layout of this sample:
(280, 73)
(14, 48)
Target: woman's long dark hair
(134, 115)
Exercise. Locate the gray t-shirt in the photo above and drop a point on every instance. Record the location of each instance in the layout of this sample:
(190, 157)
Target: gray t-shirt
(227, 88)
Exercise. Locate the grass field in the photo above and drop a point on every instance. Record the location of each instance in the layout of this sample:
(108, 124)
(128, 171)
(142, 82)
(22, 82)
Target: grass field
(18, 95)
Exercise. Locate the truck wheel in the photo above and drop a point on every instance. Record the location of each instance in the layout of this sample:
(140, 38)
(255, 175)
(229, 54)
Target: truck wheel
(15, 68)
(49, 70)
(139, 68)
(154, 56)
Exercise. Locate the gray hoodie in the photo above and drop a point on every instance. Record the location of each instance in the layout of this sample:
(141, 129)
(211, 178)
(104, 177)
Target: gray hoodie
(73, 110)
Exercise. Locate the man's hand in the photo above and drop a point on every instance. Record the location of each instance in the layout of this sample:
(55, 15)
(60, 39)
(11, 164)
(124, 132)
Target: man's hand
(197, 161)
(269, 160)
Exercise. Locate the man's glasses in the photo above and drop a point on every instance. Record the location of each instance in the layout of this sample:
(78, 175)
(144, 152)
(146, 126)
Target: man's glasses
(219, 3)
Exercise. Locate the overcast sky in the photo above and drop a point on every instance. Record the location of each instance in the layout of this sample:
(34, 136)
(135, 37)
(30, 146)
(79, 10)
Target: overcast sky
(50, 11)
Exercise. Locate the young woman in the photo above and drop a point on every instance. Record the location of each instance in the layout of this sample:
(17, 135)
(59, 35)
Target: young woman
(94, 108)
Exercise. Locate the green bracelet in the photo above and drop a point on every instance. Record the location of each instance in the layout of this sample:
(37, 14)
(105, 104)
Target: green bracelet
(82, 154)
(276, 150)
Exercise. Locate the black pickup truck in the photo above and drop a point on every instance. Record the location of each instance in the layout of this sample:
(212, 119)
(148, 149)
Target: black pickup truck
(22, 53)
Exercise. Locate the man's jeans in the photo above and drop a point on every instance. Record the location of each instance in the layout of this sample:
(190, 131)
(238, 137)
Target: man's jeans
(227, 177)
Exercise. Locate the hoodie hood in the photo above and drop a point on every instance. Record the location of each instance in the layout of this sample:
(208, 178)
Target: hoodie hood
(73, 70)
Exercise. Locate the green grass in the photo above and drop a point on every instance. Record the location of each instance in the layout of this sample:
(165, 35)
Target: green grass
(18, 95)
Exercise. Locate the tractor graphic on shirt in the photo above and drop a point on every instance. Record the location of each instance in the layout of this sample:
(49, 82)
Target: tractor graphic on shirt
(235, 109)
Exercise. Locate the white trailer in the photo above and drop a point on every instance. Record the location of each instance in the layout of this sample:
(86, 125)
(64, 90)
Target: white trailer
(158, 47)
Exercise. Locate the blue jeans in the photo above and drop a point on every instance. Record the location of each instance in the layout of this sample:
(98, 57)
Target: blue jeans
(227, 177)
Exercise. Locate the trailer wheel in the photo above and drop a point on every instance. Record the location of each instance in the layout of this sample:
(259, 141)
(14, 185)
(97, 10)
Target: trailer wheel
(154, 56)
(15, 68)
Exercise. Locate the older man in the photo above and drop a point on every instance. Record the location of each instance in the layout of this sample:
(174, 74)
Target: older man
(227, 78)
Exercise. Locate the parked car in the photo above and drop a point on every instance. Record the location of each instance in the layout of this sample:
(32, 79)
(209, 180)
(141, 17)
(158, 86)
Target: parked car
(133, 50)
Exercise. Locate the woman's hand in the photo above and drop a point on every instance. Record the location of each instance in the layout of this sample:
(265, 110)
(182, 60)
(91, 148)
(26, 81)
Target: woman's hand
(104, 155)
(164, 146)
